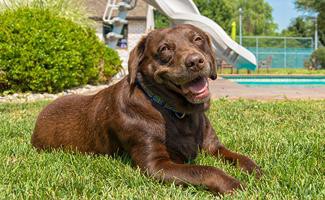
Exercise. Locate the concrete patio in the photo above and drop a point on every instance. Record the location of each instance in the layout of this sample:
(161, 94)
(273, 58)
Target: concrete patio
(223, 88)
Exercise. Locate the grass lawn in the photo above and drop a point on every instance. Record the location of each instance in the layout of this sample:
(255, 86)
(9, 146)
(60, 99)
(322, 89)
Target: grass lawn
(286, 138)
(279, 71)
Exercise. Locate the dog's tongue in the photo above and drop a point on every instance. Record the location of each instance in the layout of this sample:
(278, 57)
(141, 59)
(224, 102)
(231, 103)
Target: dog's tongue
(196, 87)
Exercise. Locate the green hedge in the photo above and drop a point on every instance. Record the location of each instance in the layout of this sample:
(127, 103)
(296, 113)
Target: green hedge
(43, 52)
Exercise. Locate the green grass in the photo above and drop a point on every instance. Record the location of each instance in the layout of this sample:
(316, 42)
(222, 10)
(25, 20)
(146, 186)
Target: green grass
(279, 71)
(286, 138)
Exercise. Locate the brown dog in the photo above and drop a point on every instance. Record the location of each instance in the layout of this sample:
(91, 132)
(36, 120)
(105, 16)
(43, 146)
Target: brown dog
(156, 114)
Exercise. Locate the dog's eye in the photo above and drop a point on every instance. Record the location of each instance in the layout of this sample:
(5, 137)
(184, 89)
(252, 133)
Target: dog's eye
(165, 53)
(163, 49)
(198, 39)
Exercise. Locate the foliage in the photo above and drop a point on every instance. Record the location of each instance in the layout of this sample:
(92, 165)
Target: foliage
(161, 21)
(286, 138)
(308, 64)
(277, 44)
(313, 7)
(300, 27)
(310, 5)
(74, 10)
(257, 15)
(42, 52)
(110, 65)
(318, 58)
(220, 11)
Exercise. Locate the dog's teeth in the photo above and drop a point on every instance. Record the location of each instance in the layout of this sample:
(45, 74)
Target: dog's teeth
(185, 90)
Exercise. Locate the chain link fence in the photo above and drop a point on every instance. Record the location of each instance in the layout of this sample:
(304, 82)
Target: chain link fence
(280, 52)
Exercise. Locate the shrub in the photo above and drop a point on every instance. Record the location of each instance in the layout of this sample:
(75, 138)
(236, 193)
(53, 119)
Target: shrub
(318, 58)
(110, 65)
(42, 52)
(75, 10)
(308, 64)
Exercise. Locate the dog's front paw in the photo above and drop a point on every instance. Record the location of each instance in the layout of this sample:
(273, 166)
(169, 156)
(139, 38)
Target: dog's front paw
(250, 166)
(225, 186)
(233, 186)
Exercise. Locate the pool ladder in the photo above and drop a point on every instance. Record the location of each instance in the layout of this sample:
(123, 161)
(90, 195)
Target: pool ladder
(117, 21)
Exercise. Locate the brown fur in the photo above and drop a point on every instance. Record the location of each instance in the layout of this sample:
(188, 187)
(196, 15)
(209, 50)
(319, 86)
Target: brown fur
(123, 118)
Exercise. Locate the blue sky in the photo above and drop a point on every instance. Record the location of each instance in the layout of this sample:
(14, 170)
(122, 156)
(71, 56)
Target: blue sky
(283, 12)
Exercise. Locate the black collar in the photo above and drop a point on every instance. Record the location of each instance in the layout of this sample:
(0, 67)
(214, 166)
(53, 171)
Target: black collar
(158, 100)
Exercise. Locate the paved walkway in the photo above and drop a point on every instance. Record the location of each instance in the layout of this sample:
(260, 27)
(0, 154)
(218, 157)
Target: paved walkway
(221, 88)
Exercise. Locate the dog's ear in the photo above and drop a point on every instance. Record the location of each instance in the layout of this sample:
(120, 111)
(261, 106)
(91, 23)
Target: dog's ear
(135, 59)
(213, 57)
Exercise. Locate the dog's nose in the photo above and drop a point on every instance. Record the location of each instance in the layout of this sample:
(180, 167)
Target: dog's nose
(194, 60)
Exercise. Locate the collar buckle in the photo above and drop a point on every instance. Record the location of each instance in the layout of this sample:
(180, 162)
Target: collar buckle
(180, 115)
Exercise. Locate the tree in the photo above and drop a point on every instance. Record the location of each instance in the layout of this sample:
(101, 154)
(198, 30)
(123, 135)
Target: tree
(310, 5)
(220, 11)
(300, 26)
(315, 7)
(257, 15)
(161, 21)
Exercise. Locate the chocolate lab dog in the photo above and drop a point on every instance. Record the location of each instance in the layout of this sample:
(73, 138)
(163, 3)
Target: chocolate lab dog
(155, 114)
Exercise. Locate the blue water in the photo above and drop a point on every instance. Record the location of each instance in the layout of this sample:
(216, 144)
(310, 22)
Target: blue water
(291, 81)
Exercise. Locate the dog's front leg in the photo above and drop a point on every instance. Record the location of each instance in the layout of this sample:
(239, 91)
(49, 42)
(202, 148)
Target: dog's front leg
(242, 161)
(154, 159)
(212, 146)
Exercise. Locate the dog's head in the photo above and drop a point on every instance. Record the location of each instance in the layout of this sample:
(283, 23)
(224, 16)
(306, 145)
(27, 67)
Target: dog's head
(176, 62)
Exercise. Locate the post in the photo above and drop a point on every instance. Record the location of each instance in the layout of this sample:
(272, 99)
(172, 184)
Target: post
(240, 27)
(233, 31)
(316, 33)
(285, 52)
(257, 50)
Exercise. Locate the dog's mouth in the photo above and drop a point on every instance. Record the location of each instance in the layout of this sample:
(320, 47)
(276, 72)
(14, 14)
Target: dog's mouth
(197, 90)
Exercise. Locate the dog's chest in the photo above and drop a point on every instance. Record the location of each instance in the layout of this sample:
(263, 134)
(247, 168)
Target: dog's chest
(184, 138)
